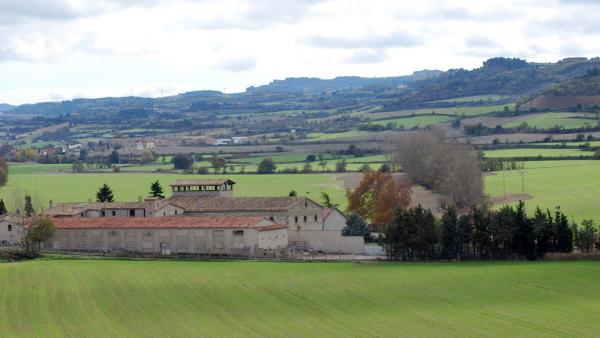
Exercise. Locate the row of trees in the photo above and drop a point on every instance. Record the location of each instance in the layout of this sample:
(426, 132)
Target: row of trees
(509, 233)
(449, 167)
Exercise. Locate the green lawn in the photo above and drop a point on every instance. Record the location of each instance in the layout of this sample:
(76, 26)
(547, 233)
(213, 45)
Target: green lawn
(532, 152)
(111, 298)
(416, 121)
(550, 120)
(571, 184)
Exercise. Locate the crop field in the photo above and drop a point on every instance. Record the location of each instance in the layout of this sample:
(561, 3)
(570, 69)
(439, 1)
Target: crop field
(572, 143)
(550, 120)
(415, 122)
(101, 298)
(69, 187)
(572, 185)
(331, 136)
(476, 98)
(533, 152)
(452, 111)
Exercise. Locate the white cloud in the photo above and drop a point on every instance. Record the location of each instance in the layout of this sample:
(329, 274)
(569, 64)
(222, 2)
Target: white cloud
(70, 48)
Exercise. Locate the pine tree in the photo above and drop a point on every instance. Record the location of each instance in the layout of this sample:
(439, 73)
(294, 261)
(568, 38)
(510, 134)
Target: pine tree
(105, 194)
(524, 240)
(156, 189)
(2, 207)
(28, 207)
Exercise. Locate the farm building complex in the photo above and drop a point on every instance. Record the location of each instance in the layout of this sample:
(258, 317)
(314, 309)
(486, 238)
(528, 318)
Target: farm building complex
(202, 216)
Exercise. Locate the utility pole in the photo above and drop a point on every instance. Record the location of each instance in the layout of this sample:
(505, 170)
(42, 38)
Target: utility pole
(504, 184)
(522, 184)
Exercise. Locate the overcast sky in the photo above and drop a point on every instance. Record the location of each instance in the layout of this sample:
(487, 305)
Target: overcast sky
(61, 49)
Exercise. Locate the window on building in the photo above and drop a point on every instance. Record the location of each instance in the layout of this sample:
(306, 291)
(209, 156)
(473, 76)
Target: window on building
(295, 219)
(82, 214)
(305, 203)
(238, 232)
(147, 233)
(114, 233)
(305, 219)
(103, 213)
(114, 213)
(132, 213)
(316, 218)
(175, 212)
(9, 227)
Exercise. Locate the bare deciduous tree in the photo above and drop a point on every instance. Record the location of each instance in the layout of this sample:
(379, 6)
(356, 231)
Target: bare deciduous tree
(448, 167)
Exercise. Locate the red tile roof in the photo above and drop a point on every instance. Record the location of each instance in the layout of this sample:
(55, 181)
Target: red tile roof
(256, 222)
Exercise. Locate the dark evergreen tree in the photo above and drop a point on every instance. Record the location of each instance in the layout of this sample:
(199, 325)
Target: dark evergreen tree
(523, 235)
(451, 239)
(28, 207)
(543, 231)
(181, 162)
(2, 207)
(356, 226)
(564, 235)
(105, 194)
(156, 189)
(114, 157)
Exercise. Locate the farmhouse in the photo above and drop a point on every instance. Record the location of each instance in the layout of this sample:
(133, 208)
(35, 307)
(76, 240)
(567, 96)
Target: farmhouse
(308, 224)
(226, 235)
(11, 229)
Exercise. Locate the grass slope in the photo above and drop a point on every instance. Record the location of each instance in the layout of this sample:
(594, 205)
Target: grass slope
(109, 298)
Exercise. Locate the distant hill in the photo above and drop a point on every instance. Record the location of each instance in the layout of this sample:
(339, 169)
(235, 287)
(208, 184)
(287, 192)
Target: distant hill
(5, 107)
(502, 76)
(581, 91)
(508, 77)
(316, 85)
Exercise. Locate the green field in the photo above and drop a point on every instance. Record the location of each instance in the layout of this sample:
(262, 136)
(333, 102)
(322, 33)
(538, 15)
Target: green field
(331, 136)
(533, 152)
(550, 120)
(453, 111)
(69, 187)
(475, 98)
(102, 298)
(571, 184)
(415, 122)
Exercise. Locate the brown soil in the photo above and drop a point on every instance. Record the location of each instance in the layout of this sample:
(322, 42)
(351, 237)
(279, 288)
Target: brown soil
(510, 198)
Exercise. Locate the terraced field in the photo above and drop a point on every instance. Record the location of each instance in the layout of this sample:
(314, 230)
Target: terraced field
(535, 152)
(551, 120)
(111, 298)
(414, 122)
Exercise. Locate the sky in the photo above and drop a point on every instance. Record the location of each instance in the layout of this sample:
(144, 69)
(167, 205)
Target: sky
(54, 50)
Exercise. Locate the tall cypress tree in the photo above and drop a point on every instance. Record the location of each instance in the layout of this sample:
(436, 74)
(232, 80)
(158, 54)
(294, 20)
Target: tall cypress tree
(2, 207)
(28, 207)
(524, 240)
(105, 194)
